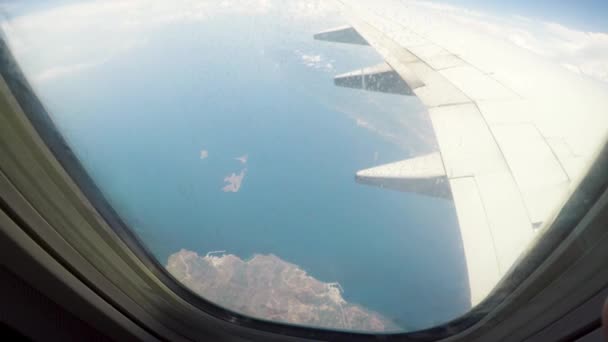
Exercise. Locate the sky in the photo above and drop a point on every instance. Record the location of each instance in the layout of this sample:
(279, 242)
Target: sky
(585, 15)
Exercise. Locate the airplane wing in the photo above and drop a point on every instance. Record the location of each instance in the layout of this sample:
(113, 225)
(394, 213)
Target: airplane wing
(515, 131)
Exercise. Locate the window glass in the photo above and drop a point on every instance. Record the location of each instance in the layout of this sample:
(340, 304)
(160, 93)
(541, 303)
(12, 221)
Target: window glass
(301, 179)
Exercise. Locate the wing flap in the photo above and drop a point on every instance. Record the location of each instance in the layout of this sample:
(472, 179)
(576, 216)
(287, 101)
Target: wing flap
(380, 78)
(424, 175)
(342, 34)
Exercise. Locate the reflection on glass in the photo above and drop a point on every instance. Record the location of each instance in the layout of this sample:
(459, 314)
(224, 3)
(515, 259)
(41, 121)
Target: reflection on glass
(308, 181)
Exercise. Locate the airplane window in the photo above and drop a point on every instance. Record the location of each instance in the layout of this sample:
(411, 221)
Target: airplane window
(361, 166)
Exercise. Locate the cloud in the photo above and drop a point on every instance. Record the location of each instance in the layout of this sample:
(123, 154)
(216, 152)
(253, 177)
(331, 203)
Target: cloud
(315, 61)
(62, 40)
(311, 60)
(586, 52)
(579, 51)
(234, 181)
(204, 154)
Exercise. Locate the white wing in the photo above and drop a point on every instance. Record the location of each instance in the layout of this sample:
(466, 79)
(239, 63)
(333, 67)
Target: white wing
(515, 132)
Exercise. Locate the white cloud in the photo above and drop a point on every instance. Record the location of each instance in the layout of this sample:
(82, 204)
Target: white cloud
(66, 39)
(315, 61)
(580, 51)
(204, 154)
(586, 52)
(311, 60)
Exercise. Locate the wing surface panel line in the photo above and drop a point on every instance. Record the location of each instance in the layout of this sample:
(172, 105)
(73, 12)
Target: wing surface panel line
(485, 211)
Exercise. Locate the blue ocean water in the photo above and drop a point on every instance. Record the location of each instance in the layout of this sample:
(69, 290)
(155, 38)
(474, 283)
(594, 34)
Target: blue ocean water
(253, 84)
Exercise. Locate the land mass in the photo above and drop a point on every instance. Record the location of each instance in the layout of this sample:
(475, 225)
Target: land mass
(270, 288)
(234, 181)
